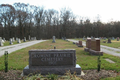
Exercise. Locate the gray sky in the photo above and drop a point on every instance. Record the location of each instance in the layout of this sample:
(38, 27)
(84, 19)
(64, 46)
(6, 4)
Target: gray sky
(108, 10)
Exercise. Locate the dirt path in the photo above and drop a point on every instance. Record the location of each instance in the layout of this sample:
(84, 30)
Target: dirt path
(105, 49)
(15, 47)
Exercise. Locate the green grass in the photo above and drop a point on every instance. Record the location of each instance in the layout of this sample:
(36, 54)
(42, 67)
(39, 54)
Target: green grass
(112, 78)
(115, 43)
(19, 59)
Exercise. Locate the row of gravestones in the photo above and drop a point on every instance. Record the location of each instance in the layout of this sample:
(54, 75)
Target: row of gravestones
(17, 39)
(2, 41)
(104, 38)
(93, 46)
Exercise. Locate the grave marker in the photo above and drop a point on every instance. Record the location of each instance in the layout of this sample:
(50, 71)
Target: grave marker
(1, 43)
(109, 41)
(53, 61)
(11, 42)
(117, 38)
(18, 41)
(80, 44)
(24, 39)
(53, 39)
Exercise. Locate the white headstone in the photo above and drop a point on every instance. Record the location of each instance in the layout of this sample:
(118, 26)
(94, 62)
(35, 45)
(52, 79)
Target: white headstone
(11, 41)
(29, 37)
(24, 39)
(18, 41)
(53, 39)
(1, 43)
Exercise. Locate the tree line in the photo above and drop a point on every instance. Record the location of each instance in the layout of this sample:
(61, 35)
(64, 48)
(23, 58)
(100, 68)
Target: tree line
(21, 20)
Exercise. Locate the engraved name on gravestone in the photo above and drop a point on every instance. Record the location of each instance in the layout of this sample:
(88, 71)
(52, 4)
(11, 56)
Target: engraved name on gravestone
(52, 58)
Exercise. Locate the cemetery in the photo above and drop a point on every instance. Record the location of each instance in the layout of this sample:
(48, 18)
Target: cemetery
(67, 56)
(40, 43)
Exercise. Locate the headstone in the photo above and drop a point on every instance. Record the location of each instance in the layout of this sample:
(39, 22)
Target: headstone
(13, 39)
(11, 42)
(109, 40)
(53, 61)
(24, 39)
(93, 47)
(88, 44)
(29, 37)
(117, 38)
(1, 43)
(113, 38)
(104, 41)
(4, 39)
(73, 42)
(34, 38)
(80, 44)
(95, 44)
(105, 38)
(92, 37)
(53, 39)
(18, 41)
(64, 38)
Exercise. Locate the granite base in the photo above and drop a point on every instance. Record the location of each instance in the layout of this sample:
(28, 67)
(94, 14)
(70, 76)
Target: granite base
(86, 49)
(97, 53)
(80, 45)
(58, 71)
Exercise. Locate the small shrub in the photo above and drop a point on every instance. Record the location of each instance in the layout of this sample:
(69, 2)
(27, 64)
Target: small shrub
(52, 76)
(6, 61)
(99, 63)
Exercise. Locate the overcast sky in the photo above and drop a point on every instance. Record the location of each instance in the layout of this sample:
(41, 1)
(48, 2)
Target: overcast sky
(108, 10)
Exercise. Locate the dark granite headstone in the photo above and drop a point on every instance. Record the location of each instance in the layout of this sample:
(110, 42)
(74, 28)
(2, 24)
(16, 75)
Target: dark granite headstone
(88, 44)
(52, 61)
(109, 41)
(95, 44)
(80, 44)
(117, 38)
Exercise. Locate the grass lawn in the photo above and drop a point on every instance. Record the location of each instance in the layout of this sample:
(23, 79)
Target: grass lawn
(115, 43)
(19, 59)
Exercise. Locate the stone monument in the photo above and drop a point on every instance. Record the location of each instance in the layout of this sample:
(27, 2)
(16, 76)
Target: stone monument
(88, 44)
(109, 41)
(1, 43)
(53, 39)
(11, 42)
(29, 37)
(13, 39)
(53, 61)
(18, 41)
(95, 47)
(24, 40)
(80, 44)
(117, 38)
